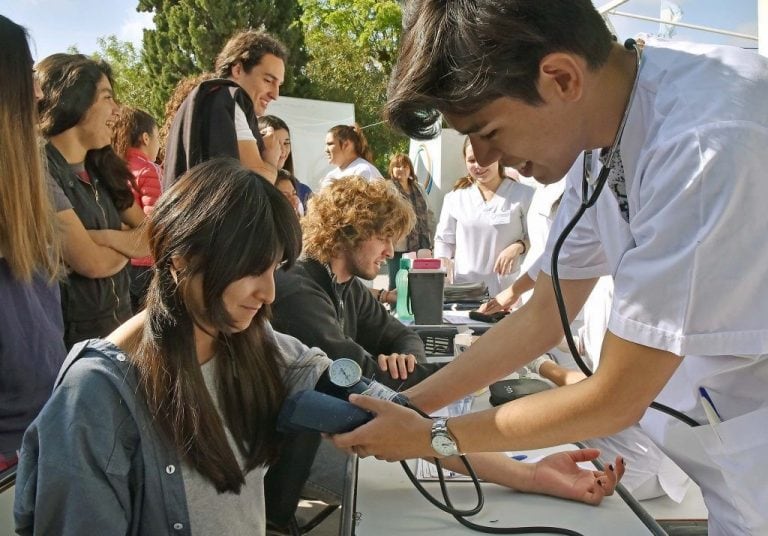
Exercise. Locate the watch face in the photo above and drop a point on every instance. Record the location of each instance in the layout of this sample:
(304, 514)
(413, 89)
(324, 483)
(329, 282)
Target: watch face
(344, 372)
(444, 445)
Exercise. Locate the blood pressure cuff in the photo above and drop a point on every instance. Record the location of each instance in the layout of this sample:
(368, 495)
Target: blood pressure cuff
(508, 390)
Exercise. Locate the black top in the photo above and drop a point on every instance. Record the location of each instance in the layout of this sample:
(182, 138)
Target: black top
(204, 128)
(343, 320)
(91, 307)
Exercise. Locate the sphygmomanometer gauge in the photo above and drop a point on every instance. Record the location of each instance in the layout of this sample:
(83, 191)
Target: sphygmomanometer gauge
(344, 372)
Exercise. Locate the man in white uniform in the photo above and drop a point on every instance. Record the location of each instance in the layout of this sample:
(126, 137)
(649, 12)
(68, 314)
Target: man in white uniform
(680, 225)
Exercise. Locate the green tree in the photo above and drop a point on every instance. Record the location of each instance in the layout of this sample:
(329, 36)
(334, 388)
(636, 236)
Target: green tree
(188, 35)
(352, 45)
(131, 77)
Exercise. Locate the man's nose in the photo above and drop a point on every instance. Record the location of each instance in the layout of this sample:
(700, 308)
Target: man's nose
(485, 154)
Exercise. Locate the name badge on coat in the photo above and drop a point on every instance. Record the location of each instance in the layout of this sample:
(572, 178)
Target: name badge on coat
(500, 218)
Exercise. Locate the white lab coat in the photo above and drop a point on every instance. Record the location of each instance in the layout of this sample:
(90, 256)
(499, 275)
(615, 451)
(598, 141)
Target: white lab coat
(690, 265)
(473, 232)
(649, 473)
(541, 214)
(359, 166)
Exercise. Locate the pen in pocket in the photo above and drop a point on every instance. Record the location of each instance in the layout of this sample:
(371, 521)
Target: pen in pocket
(713, 416)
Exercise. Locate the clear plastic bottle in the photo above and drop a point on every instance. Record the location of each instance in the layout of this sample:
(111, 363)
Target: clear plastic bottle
(402, 308)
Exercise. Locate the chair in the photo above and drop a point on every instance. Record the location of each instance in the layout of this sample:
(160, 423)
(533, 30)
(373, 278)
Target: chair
(7, 490)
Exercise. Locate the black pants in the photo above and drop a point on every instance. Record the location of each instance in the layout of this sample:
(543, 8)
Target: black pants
(285, 478)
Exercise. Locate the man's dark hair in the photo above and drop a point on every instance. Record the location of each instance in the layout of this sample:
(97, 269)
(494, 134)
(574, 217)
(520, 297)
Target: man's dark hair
(456, 56)
(69, 83)
(247, 47)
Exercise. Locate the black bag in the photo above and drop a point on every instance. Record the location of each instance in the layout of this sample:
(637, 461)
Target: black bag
(507, 390)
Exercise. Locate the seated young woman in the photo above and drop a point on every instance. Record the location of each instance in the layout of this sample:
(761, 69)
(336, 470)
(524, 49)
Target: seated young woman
(168, 424)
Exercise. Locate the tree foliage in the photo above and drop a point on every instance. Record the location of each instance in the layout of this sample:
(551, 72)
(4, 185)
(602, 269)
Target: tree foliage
(352, 45)
(131, 77)
(340, 50)
(188, 35)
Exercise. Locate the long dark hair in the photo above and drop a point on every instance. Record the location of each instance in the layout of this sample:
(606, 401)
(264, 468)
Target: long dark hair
(69, 82)
(248, 47)
(278, 124)
(227, 223)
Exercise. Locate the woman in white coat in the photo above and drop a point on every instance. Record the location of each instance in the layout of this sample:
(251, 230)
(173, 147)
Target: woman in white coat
(482, 225)
(347, 148)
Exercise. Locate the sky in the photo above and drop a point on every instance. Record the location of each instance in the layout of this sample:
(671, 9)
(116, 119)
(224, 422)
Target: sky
(55, 25)
(738, 16)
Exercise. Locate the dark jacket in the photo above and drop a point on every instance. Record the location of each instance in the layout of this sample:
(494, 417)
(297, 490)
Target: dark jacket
(92, 307)
(94, 462)
(204, 128)
(343, 320)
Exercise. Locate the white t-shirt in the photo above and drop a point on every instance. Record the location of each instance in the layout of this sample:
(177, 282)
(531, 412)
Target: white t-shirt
(690, 264)
(242, 130)
(358, 166)
(473, 232)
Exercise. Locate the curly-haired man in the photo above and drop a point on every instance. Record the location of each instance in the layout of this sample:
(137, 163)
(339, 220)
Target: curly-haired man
(349, 233)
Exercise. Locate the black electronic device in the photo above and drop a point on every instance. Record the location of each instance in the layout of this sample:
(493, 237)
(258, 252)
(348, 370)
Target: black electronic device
(504, 391)
(491, 318)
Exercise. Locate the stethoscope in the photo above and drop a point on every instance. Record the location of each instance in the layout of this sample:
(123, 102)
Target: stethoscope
(587, 201)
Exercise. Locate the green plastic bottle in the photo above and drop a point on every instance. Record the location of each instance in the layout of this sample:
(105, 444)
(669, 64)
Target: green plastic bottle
(402, 308)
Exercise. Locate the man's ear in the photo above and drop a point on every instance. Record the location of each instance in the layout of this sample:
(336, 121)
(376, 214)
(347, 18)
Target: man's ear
(145, 138)
(237, 70)
(561, 76)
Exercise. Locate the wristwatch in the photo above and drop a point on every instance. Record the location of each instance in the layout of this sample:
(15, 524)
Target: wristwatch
(442, 441)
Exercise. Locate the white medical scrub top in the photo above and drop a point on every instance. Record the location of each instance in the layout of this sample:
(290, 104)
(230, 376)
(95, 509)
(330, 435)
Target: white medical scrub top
(541, 214)
(359, 166)
(689, 261)
(473, 232)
